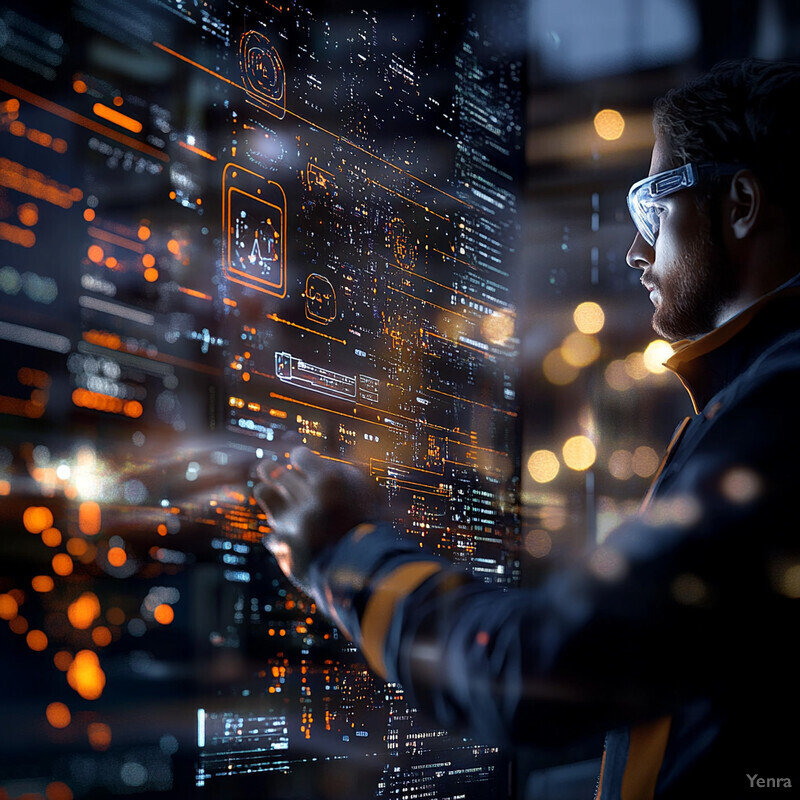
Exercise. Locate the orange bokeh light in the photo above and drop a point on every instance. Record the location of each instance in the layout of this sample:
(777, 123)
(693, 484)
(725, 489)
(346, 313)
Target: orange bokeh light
(9, 608)
(42, 583)
(86, 676)
(58, 715)
(37, 518)
(99, 735)
(101, 636)
(37, 640)
(164, 614)
(117, 556)
(51, 537)
(62, 564)
(89, 518)
(84, 610)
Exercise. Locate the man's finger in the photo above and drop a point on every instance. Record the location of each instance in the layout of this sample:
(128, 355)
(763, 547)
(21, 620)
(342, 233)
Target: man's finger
(271, 500)
(306, 460)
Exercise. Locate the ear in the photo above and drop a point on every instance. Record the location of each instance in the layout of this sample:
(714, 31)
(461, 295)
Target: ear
(746, 199)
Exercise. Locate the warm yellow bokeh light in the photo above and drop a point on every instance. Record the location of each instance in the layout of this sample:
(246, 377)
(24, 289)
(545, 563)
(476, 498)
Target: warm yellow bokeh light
(580, 349)
(609, 124)
(543, 466)
(589, 317)
(655, 354)
(558, 371)
(617, 376)
(579, 452)
(635, 367)
(498, 327)
(620, 465)
(645, 461)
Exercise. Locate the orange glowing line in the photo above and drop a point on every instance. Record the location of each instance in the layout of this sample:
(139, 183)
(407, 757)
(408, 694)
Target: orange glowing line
(191, 148)
(450, 288)
(78, 119)
(313, 125)
(428, 302)
(407, 199)
(275, 318)
(229, 302)
(403, 466)
(194, 293)
(113, 238)
(195, 64)
(277, 396)
(475, 402)
(423, 488)
(112, 115)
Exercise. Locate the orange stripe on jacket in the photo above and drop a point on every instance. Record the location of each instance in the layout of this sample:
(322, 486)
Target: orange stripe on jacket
(394, 588)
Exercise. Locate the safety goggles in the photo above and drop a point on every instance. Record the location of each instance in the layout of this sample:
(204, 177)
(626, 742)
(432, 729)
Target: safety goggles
(644, 194)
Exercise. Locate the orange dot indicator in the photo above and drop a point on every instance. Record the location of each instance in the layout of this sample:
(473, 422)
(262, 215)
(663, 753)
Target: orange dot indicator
(151, 274)
(51, 537)
(143, 233)
(88, 214)
(148, 260)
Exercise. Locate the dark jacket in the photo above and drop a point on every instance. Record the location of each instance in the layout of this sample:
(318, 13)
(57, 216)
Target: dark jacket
(677, 633)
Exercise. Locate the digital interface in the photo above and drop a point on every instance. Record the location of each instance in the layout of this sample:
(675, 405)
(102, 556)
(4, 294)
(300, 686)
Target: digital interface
(221, 223)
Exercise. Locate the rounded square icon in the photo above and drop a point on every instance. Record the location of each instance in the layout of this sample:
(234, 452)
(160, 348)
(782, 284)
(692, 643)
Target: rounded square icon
(254, 215)
(320, 298)
(263, 73)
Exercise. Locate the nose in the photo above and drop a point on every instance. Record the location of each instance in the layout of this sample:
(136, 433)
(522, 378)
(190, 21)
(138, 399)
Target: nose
(640, 255)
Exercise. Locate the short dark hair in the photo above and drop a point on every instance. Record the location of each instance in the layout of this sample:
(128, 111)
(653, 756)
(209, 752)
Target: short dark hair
(741, 112)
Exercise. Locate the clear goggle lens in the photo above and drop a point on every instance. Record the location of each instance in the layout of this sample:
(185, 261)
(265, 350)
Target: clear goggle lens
(644, 194)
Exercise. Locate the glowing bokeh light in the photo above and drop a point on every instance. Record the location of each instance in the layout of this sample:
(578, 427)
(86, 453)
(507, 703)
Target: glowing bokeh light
(543, 466)
(58, 715)
(579, 453)
(609, 124)
(580, 349)
(86, 676)
(589, 317)
(655, 354)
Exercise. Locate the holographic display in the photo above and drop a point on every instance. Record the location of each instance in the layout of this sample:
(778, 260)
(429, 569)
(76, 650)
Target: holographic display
(222, 223)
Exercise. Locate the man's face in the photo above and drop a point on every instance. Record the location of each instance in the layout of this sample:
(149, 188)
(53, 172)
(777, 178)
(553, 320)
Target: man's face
(684, 271)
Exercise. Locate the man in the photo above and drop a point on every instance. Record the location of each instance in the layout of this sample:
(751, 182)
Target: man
(677, 633)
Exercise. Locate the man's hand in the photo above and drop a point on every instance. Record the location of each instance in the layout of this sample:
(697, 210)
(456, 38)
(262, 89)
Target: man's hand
(311, 502)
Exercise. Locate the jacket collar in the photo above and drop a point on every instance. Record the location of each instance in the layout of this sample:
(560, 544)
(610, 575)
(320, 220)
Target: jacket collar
(707, 364)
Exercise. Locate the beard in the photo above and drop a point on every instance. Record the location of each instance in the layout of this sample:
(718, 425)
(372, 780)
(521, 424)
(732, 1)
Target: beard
(698, 286)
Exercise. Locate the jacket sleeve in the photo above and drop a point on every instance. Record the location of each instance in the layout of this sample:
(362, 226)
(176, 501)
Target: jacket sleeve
(668, 607)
